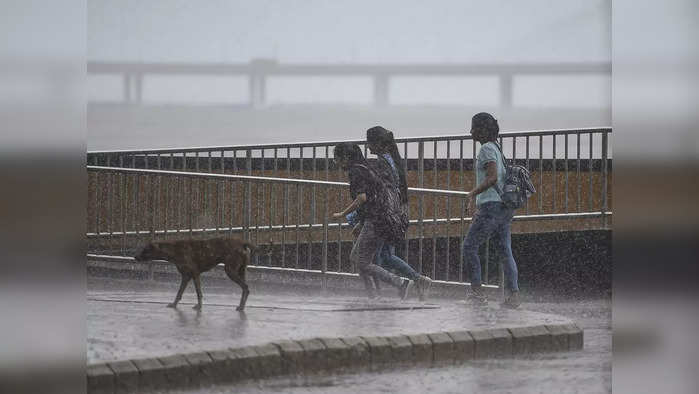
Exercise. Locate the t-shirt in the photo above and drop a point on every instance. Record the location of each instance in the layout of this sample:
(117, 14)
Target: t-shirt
(489, 152)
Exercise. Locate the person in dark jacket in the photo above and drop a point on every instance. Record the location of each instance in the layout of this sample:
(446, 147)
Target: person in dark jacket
(364, 188)
(390, 167)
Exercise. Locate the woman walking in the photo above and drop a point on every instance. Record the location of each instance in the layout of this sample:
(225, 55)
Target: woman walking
(374, 208)
(390, 167)
(491, 217)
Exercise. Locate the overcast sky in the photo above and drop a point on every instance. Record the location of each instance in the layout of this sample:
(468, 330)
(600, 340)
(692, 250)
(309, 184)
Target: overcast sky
(362, 31)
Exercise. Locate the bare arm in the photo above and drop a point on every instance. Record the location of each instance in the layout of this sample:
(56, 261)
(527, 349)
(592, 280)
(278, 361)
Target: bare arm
(491, 177)
(361, 199)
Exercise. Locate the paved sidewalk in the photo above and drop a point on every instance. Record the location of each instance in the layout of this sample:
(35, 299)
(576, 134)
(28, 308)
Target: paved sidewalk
(127, 319)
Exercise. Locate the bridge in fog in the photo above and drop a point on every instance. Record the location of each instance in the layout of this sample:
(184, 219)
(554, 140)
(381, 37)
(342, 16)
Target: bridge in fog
(257, 72)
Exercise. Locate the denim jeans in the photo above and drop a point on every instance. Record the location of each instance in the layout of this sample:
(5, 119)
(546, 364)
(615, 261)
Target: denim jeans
(363, 255)
(493, 219)
(388, 260)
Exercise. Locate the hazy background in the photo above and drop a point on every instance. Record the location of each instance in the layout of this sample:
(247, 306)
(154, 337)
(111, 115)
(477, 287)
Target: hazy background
(187, 110)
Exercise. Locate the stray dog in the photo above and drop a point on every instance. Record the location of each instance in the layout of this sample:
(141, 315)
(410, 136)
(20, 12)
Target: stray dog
(192, 257)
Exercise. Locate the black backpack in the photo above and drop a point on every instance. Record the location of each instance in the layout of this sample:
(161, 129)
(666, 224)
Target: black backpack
(390, 220)
(518, 185)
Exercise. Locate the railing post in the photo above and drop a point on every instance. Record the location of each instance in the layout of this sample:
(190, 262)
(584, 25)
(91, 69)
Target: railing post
(485, 274)
(604, 178)
(324, 266)
(248, 196)
(421, 182)
(501, 275)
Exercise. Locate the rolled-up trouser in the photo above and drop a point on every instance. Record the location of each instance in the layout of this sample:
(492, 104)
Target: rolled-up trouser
(363, 254)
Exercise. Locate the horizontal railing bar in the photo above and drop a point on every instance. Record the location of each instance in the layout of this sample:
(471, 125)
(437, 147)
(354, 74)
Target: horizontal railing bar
(257, 179)
(456, 137)
(318, 226)
(239, 178)
(126, 259)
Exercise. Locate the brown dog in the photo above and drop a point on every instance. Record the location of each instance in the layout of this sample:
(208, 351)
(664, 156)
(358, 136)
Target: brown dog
(192, 257)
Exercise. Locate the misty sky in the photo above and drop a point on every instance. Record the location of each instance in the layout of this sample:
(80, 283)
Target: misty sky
(360, 31)
(341, 31)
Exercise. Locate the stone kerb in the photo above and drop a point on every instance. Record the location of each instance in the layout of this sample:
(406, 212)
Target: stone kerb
(288, 357)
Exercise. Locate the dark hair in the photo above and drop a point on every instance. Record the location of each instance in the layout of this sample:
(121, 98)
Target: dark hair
(349, 151)
(380, 136)
(487, 122)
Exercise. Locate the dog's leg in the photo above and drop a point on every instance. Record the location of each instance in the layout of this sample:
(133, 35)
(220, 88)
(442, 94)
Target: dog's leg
(235, 277)
(246, 290)
(183, 285)
(197, 286)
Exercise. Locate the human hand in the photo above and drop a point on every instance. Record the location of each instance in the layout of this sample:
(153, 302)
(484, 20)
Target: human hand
(338, 215)
(471, 208)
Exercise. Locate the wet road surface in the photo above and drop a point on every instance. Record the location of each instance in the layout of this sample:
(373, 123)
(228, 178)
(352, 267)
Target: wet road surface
(128, 319)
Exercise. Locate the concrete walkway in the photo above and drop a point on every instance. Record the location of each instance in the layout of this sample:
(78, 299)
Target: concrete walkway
(128, 319)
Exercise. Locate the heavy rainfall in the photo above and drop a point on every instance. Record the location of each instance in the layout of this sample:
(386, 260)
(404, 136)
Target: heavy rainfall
(252, 120)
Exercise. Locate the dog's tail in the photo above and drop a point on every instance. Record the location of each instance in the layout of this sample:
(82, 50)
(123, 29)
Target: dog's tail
(249, 248)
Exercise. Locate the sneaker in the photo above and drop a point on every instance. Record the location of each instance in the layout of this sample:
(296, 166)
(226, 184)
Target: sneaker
(511, 302)
(476, 296)
(405, 288)
(423, 285)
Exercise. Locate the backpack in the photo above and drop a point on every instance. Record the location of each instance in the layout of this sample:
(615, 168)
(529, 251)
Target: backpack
(518, 185)
(390, 220)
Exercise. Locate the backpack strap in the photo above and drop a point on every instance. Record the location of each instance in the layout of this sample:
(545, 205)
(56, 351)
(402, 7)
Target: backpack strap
(504, 164)
(502, 156)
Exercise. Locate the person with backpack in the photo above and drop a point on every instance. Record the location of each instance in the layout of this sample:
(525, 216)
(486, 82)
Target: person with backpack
(491, 216)
(378, 210)
(390, 167)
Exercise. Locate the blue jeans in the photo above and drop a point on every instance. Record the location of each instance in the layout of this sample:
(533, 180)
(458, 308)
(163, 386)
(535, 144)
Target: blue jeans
(493, 219)
(387, 259)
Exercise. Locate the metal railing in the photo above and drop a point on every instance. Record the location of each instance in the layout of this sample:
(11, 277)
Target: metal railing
(570, 167)
(289, 219)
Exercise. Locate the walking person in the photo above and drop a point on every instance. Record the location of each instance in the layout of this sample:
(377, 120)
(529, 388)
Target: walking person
(377, 209)
(491, 217)
(390, 167)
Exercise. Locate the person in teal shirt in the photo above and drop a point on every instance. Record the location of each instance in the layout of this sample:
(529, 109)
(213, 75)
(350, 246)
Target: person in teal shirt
(491, 217)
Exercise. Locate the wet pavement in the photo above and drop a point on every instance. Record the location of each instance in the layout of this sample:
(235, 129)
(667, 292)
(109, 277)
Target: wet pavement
(128, 319)
(587, 371)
